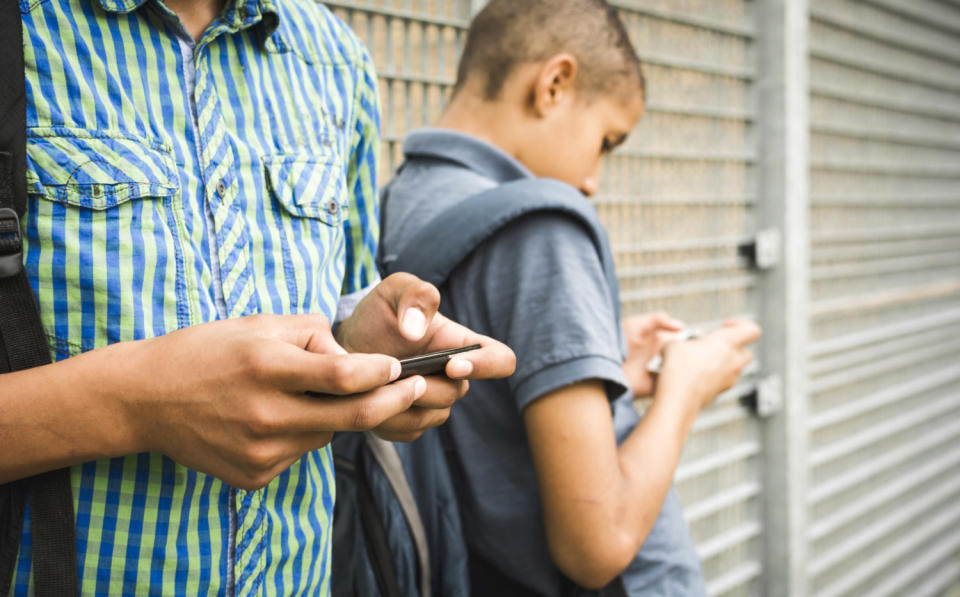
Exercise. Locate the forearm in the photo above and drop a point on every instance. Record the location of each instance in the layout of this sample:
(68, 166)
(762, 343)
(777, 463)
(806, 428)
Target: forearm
(600, 500)
(68, 412)
(648, 459)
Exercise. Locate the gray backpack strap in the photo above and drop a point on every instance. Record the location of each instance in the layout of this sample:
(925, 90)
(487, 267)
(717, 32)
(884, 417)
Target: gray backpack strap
(386, 455)
(441, 245)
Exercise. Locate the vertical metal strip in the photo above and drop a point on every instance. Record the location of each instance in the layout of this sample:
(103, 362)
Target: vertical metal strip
(784, 138)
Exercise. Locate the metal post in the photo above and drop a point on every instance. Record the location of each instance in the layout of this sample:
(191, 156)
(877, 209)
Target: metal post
(783, 94)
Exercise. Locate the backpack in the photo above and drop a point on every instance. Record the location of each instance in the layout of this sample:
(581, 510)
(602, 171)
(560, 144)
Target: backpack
(396, 527)
(459, 230)
(23, 344)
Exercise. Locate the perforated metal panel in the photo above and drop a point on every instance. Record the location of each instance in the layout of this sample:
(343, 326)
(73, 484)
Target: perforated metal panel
(884, 416)
(678, 199)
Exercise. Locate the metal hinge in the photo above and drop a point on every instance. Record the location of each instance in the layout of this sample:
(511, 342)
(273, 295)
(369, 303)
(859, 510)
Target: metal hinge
(767, 398)
(764, 250)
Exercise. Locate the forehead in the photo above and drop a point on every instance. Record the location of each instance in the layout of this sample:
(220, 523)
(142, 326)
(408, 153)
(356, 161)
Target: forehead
(618, 111)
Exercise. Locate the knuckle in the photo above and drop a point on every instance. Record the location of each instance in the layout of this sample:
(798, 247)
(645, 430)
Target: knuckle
(343, 375)
(365, 416)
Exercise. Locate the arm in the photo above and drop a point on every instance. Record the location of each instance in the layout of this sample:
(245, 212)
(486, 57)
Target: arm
(601, 501)
(227, 398)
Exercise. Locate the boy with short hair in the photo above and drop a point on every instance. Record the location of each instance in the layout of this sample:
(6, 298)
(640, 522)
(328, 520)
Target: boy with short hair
(562, 487)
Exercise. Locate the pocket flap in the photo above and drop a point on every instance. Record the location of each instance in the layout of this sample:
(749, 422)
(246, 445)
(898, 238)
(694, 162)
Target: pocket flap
(308, 186)
(95, 169)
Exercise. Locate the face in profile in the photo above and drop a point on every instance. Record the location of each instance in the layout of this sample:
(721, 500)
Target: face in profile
(578, 134)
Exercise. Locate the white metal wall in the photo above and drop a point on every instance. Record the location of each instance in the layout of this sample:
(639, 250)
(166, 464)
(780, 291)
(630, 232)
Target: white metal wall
(884, 358)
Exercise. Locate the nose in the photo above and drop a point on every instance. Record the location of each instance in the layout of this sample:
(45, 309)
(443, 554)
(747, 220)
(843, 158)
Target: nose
(589, 186)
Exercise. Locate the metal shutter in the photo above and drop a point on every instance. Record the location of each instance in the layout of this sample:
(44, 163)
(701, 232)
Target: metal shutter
(884, 358)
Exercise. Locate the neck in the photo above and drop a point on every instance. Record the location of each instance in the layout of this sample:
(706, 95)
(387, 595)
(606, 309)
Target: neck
(196, 15)
(493, 121)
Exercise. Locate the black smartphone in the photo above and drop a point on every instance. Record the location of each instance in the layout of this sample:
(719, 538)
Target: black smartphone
(432, 362)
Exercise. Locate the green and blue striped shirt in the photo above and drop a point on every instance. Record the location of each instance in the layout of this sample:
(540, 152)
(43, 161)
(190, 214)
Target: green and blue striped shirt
(173, 183)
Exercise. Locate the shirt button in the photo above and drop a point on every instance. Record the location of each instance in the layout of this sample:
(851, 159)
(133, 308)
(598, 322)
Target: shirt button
(333, 207)
(221, 189)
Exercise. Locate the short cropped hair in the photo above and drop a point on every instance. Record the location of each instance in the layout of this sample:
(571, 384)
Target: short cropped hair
(507, 33)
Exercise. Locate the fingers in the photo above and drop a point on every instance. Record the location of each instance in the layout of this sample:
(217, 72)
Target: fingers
(310, 331)
(415, 303)
(662, 321)
(409, 425)
(340, 374)
(740, 332)
(493, 360)
(358, 412)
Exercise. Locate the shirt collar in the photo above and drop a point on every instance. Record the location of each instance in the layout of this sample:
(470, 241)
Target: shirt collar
(470, 152)
(242, 13)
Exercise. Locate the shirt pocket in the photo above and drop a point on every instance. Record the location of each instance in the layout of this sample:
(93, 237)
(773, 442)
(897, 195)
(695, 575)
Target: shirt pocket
(97, 170)
(309, 186)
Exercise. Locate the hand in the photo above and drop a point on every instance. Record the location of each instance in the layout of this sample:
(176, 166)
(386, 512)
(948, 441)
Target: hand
(645, 335)
(701, 369)
(399, 317)
(230, 398)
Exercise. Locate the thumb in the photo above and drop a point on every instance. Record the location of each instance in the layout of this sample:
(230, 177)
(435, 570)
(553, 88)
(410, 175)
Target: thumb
(415, 302)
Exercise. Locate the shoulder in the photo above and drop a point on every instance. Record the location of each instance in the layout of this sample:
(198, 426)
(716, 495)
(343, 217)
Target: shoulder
(321, 36)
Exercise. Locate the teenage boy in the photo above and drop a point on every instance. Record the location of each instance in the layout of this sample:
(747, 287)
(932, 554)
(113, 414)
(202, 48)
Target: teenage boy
(559, 482)
(191, 161)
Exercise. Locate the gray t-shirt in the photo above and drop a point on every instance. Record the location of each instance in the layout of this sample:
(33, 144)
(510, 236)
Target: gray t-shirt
(538, 285)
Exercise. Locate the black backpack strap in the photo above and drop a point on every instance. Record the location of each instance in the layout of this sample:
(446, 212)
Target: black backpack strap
(457, 231)
(23, 344)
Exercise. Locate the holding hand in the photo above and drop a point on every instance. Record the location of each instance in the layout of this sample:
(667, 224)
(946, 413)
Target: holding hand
(399, 317)
(646, 335)
(701, 369)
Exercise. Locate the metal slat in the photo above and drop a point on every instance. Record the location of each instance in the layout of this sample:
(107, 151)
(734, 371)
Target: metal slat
(720, 501)
(885, 103)
(881, 267)
(406, 15)
(687, 471)
(689, 267)
(884, 495)
(687, 244)
(913, 12)
(916, 536)
(692, 20)
(728, 539)
(885, 299)
(885, 36)
(738, 283)
(843, 551)
(895, 137)
(882, 463)
(739, 576)
(882, 333)
(942, 341)
(894, 74)
(940, 582)
(850, 444)
(878, 367)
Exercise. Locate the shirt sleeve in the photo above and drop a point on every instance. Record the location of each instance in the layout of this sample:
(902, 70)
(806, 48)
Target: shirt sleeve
(539, 286)
(362, 227)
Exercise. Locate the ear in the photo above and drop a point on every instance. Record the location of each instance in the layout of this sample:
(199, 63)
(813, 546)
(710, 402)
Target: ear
(555, 83)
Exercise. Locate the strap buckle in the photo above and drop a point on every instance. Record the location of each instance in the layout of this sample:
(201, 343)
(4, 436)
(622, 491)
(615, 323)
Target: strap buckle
(11, 243)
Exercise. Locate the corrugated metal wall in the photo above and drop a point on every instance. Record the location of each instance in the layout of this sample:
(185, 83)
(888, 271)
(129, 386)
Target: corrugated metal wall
(884, 358)
(883, 508)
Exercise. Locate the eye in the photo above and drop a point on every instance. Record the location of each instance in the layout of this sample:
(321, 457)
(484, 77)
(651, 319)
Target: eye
(606, 146)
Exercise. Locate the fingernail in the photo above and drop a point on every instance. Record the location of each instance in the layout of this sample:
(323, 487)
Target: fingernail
(414, 323)
(460, 367)
(395, 370)
(419, 388)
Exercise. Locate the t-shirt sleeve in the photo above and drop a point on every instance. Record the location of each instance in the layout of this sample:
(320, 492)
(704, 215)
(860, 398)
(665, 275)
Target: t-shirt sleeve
(539, 286)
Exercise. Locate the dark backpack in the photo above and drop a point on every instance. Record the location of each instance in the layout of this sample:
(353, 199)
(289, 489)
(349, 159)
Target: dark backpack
(23, 344)
(396, 528)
